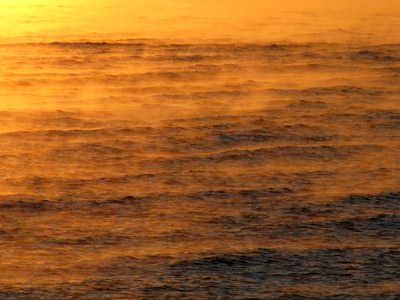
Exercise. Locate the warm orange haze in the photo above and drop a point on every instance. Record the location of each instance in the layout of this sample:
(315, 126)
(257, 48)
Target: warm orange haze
(199, 149)
(29, 20)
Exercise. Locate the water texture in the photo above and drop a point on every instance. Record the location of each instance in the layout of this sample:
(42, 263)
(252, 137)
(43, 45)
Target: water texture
(152, 169)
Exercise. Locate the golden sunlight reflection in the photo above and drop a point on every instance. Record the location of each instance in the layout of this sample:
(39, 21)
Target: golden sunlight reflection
(28, 20)
(206, 149)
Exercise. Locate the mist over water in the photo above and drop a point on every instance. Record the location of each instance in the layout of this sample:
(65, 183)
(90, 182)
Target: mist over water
(190, 21)
(199, 151)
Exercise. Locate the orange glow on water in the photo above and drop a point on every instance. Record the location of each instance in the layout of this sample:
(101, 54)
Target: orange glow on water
(28, 20)
(200, 146)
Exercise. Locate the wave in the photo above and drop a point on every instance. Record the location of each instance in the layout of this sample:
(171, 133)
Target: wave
(148, 169)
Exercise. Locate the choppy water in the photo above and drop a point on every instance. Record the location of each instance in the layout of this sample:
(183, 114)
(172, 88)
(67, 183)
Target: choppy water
(146, 169)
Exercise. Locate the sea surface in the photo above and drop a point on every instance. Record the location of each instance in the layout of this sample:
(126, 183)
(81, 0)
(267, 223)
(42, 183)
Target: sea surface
(147, 168)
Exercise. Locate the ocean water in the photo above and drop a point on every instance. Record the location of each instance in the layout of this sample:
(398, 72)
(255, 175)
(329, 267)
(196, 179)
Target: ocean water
(160, 168)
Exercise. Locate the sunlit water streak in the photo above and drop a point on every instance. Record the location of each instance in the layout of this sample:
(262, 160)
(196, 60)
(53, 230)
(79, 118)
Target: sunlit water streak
(161, 169)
